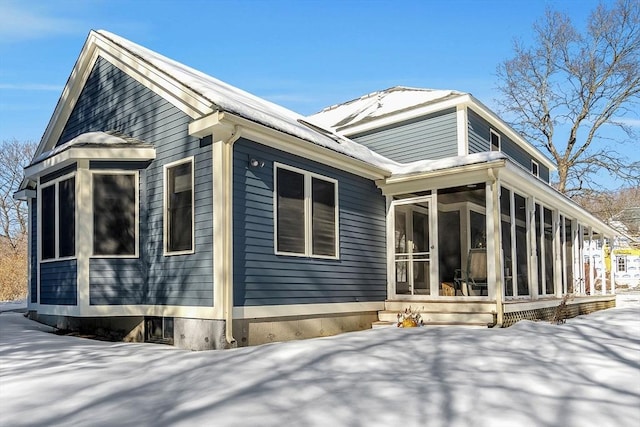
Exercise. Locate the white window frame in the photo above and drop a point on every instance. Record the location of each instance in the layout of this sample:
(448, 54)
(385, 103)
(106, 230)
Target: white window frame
(621, 261)
(536, 166)
(165, 207)
(56, 229)
(308, 220)
(491, 133)
(136, 175)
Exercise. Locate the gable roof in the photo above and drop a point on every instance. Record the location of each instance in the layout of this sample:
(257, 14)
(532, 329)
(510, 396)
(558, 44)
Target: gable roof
(195, 93)
(401, 103)
(199, 95)
(380, 104)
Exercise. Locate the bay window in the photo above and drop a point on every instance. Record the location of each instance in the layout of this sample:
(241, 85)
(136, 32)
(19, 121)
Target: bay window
(115, 214)
(58, 219)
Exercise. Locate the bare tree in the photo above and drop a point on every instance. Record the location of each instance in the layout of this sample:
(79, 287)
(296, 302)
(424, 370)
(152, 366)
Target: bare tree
(566, 89)
(14, 156)
(618, 206)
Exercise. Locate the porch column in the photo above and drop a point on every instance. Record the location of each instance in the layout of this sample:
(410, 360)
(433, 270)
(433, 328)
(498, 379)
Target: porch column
(578, 270)
(494, 260)
(391, 265)
(557, 254)
(604, 266)
(532, 246)
(84, 229)
(592, 270)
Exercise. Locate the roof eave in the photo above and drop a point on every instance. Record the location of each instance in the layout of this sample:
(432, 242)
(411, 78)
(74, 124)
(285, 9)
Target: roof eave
(490, 116)
(221, 124)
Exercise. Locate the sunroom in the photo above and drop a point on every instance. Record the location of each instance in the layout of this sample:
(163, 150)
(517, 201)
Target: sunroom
(482, 231)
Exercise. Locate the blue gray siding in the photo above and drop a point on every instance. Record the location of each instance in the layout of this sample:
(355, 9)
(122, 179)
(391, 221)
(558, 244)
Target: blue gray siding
(263, 278)
(111, 100)
(479, 134)
(33, 239)
(428, 137)
(58, 283)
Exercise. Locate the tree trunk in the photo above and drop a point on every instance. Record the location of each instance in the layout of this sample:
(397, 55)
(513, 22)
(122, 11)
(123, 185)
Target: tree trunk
(563, 172)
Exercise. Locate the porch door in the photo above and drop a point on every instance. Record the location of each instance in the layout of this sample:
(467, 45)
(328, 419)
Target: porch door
(412, 249)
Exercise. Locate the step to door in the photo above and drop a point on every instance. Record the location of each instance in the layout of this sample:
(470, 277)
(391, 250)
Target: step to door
(450, 318)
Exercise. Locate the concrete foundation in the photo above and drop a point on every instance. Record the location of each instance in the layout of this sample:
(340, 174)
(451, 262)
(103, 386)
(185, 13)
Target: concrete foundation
(261, 331)
(127, 329)
(199, 334)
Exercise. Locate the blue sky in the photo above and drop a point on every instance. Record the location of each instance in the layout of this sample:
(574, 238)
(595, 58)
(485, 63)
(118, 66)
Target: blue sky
(304, 55)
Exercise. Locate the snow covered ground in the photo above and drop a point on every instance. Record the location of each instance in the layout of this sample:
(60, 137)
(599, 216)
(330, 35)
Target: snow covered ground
(583, 373)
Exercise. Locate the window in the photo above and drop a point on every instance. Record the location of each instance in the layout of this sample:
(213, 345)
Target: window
(115, 214)
(179, 213)
(58, 222)
(622, 264)
(534, 168)
(159, 329)
(495, 140)
(306, 213)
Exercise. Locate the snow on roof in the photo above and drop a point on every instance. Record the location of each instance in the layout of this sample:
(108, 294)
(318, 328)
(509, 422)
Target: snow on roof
(423, 166)
(90, 138)
(379, 104)
(228, 98)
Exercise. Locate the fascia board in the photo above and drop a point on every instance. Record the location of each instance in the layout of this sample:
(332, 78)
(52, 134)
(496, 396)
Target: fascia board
(434, 180)
(25, 194)
(291, 144)
(188, 101)
(79, 153)
(481, 109)
(181, 96)
(516, 177)
(70, 94)
(403, 116)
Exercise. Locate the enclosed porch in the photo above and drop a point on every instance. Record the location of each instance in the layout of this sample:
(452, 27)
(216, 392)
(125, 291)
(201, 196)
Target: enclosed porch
(487, 243)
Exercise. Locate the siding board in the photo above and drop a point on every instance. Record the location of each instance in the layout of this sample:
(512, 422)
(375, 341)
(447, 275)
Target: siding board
(263, 278)
(111, 100)
(58, 283)
(430, 137)
(33, 237)
(479, 134)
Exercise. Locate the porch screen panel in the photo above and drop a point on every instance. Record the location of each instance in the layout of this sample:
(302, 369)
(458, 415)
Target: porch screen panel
(568, 250)
(505, 213)
(290, 213)
(538, 231)
(402, 266)
(522, 275)
(420, 253)
(323, 214)
(48, 222)
(548, 252)
(66, 217)
(114, 210)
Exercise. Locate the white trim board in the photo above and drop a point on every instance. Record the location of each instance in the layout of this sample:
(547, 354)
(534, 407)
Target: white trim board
(266, 311)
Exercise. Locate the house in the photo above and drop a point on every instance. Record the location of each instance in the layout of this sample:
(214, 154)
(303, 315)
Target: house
(168, 205)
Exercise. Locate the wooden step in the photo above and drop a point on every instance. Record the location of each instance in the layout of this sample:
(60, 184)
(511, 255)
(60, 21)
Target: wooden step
(380, 324)
(442, 306)
(450, 318)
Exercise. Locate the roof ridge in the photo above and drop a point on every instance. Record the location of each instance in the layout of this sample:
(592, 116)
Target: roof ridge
(382, 92)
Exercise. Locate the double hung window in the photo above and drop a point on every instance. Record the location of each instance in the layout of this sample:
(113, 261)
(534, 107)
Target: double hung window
(58, 222)
(495, 140)
(306, 213)
(179, 213)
